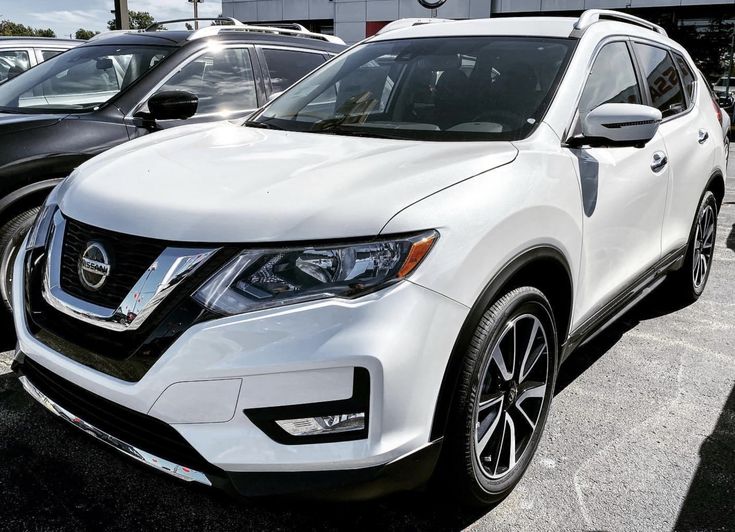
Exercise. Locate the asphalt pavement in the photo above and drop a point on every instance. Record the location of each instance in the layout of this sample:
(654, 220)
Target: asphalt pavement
(641, 436)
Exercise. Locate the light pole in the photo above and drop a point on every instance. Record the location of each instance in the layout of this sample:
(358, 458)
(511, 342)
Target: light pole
(122, 19)
(729, 66)
(196, 12)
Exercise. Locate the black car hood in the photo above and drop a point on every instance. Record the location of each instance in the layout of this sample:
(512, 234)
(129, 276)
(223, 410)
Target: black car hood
(15, 122)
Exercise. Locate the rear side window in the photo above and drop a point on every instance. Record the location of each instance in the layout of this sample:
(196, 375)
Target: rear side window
(687, 76)
(13, 62)
(667, 93)
(286, 67)
(612, 79)
(221, 79)
(48, 54)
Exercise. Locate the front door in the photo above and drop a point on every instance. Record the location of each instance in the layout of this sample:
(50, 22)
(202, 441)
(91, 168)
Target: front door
(623, 191)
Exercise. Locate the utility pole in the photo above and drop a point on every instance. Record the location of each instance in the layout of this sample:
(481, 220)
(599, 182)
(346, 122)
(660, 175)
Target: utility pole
(728, 76)
(196, 12)
(122, 19)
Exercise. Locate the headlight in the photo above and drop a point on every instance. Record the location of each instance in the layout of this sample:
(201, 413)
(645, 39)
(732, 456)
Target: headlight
(39, 231)
(258, 279)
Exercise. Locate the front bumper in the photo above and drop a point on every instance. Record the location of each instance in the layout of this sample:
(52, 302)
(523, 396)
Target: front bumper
(307, 354)
(402, 474)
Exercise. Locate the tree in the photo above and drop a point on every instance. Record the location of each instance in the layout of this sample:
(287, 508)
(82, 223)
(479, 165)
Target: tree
(8, 27)
(85, 35)
(139, 20)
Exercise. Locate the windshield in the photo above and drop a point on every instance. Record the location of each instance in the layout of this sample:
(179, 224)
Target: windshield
(449, 88)
(81, 79)
(723, 81)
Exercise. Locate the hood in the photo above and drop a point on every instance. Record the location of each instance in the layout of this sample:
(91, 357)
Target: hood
(13, 123)
(225, 183)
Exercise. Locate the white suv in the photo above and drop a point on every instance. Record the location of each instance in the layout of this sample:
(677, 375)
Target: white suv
(384, 268)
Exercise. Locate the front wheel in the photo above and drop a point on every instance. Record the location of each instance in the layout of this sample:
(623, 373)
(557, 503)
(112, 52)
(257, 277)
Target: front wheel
(503, 399)
(12, 234)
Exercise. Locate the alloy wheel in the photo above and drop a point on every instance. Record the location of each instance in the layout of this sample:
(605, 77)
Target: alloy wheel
(510, 396)
(703, 246)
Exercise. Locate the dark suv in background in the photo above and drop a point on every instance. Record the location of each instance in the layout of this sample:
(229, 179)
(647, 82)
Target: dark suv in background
(122, 85)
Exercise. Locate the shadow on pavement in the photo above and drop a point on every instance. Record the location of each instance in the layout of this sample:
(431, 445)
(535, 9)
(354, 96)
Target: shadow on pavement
(7, 334)
(730, 242)
(709, 502)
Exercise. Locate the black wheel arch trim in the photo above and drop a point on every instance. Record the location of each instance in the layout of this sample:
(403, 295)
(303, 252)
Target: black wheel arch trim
(11, 199)
(490, 293)
(716, 177)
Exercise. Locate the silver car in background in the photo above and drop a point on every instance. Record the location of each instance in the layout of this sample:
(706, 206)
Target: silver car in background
(18, 54)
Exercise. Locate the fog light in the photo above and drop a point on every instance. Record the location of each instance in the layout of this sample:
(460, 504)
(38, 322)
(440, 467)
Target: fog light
(309, 426)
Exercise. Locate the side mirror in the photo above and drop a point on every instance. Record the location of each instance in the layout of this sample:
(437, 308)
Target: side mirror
(172, 105)
(620, 124)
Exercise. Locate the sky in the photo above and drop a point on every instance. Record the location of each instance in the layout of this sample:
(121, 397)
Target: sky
(66, 16)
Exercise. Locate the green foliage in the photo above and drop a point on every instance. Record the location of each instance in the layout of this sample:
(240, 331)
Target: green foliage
(85, 35)
(8, 27)
(139, 20)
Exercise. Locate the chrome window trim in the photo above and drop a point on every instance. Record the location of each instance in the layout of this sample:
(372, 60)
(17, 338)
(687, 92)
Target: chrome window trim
(293, 49)
(176, 263)
(176, 470)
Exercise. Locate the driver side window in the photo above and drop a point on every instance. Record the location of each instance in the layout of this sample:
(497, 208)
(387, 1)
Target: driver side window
(611, 80)
(221, 79)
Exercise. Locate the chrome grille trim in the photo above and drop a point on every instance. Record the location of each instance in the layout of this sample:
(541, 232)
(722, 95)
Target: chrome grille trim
(171, 267)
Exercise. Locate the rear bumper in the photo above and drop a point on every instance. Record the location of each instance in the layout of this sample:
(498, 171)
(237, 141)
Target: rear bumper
(64, 400)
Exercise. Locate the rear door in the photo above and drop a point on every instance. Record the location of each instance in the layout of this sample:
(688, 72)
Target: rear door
(672, 87)
(623, 191)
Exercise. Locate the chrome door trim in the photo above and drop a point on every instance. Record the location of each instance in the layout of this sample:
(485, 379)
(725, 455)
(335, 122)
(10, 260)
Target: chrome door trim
(171, 267)
(176, 470)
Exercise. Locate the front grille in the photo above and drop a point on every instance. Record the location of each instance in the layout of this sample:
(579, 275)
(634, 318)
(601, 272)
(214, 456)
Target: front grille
(139, 430)
(130, 257)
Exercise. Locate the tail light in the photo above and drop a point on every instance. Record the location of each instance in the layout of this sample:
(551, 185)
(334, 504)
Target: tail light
(718, 109)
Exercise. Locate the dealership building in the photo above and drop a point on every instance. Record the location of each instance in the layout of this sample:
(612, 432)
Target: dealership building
(704, 27)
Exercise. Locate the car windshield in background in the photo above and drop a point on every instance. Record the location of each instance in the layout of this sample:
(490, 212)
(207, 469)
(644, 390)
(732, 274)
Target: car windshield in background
(448, 88)
(81, 79)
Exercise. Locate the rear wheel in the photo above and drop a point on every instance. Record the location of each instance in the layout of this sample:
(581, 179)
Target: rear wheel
(12, 234)
(688, 283)
(504, 396)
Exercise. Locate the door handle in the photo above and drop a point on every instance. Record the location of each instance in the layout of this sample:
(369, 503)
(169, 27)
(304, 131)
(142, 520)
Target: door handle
(659, 161)
(702, 136)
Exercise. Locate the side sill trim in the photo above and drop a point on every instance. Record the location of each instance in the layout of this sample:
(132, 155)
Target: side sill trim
(623, 301)
(181, 472)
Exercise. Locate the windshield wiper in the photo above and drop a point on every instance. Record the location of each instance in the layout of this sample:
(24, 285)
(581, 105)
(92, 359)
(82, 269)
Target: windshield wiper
(350, 130)
(262, 125)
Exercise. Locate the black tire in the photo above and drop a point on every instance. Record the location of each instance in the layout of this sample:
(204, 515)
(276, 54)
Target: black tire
(12, 234)
(686, 285)
(469, 472)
